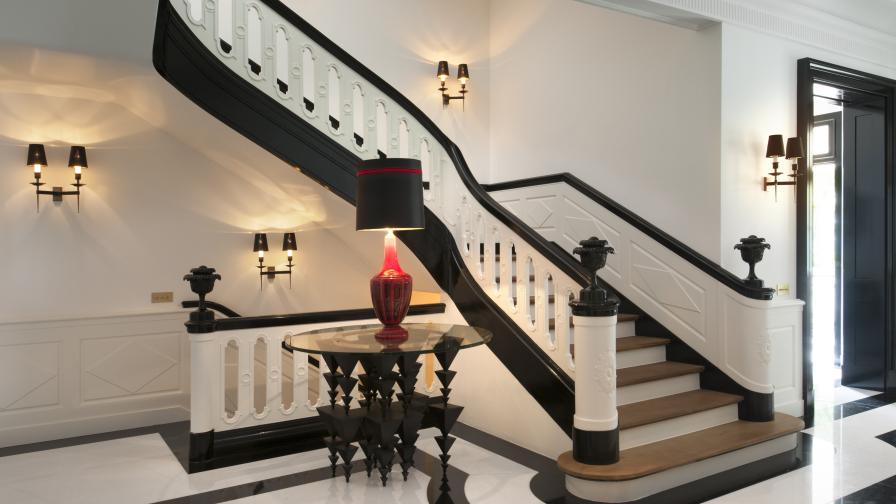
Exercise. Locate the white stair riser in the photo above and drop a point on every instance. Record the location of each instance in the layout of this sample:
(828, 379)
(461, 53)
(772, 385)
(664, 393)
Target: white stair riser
(640, 357)
(674, 427)
(655, 389)
(632, 490)
(625, 329)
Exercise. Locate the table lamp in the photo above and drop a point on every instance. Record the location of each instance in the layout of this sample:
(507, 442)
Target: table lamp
(390, 198)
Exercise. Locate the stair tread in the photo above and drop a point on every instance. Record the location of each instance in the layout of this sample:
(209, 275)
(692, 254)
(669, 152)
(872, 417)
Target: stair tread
(653, 372)
(652, 458)
(673, 406)
(639, 342)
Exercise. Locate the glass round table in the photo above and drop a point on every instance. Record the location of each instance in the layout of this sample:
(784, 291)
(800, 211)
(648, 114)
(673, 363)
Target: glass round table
(374, 338)
(389, 412)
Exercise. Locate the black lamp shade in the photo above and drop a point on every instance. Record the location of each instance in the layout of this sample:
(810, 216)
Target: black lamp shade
(775, 146)
(390, 194)
(463, 73)
(36, 155)
(795, 148)
(77, 157)
(261, 243)
(289, 241)
(442, 72)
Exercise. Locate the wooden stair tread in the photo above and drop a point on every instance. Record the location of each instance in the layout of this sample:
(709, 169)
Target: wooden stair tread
(673, 406)
(653, 372)
(652, 458)
(639, 342)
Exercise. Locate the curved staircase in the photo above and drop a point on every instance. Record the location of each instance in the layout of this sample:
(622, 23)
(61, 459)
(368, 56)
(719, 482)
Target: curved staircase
(264, 71)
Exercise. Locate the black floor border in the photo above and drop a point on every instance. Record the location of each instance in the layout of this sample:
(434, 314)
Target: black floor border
(862, 405)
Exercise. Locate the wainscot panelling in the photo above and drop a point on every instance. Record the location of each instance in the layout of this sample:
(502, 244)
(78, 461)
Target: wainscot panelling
(62, 378)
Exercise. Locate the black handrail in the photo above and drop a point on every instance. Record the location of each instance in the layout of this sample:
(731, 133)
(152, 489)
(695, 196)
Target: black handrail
(218, 307)
(685, 252)
(236, 321)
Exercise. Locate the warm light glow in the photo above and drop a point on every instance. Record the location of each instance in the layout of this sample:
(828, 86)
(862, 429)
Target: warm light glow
(289, 253)
(463, 80)
(261, 254)
(390, 256)
(77, 169)
(37, 168)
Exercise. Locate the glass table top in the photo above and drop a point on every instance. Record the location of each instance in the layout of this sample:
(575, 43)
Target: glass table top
(375, 338)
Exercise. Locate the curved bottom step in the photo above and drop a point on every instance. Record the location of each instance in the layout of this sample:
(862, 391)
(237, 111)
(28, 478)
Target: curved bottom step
(690, 467)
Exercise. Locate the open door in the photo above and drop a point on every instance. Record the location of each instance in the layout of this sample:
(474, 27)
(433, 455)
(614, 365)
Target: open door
(864, 243)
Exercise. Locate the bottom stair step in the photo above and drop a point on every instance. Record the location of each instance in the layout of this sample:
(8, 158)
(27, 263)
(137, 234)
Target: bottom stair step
(691, 467)
(680, 451)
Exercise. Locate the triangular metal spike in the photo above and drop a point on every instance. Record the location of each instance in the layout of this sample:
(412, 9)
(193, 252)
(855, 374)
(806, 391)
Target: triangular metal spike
(347, 362)
(445, 376)
(347, 383)
(445, 416)
(347, 452)
(445, 442)
(446, 351)
(330, 360)
(332, 379)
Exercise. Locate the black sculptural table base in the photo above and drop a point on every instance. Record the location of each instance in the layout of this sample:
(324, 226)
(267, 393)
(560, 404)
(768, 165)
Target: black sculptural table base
(385, 425)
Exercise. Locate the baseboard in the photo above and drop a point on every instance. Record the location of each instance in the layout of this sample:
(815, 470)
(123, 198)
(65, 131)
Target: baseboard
(26, 434)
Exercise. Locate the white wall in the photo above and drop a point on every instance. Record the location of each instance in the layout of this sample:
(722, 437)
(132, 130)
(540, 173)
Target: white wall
(168, 188)
(401, 40)
(759, 74)
(629, 105)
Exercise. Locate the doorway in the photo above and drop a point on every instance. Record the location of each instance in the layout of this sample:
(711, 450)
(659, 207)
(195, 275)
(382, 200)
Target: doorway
(845, 230)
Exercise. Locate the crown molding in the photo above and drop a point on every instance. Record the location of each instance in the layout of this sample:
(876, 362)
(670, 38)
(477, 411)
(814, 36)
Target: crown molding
(781, 18)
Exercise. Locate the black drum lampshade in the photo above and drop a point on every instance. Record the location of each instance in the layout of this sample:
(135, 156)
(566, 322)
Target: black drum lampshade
(795, 148)
(390, 195)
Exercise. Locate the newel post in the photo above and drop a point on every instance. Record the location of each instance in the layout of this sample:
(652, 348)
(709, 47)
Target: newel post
(595, 433)
(204, 366)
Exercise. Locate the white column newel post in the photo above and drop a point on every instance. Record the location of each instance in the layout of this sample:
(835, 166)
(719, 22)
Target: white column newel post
(204, 372)
(595, 433)
(205, 363)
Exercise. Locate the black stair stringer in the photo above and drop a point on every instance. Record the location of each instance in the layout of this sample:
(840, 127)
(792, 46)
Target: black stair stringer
(185, 63)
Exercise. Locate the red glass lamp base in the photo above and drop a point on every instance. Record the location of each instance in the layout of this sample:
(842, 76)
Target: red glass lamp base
(390, 289)
(391, 296)
(392, 336)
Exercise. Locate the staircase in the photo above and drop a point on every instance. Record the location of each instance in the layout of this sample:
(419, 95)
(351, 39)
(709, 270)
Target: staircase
(263, 70)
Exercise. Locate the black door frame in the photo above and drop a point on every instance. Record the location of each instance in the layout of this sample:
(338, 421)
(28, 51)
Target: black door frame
(810, 71)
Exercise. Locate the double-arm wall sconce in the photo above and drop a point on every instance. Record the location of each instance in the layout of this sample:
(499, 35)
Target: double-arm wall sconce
(261, 246)
(463, 76)
(37, 159)
(793, 153)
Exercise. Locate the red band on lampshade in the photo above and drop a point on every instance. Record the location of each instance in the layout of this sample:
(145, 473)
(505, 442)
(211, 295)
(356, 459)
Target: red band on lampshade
(374, 171)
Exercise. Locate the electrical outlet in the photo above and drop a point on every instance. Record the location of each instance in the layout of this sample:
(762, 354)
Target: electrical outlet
(783, 289)
(162, 297)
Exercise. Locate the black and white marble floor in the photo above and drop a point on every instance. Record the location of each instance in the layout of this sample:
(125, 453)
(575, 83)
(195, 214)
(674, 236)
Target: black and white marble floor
(848, 457)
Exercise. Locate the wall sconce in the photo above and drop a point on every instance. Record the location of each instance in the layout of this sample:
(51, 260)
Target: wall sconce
(775, 150)
(463, 76)
(37, 159)
(261, 246)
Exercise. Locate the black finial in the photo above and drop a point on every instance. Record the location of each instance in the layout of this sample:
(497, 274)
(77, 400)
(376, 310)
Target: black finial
(202, 281)
(752, 249)
(593, 299)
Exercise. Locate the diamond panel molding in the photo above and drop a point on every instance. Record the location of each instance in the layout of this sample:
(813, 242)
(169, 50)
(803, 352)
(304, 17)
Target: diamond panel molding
(115, 367)
(64, 378)
(34, 373)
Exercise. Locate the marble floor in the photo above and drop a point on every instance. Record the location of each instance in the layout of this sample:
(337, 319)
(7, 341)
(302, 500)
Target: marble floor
(848, 457)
